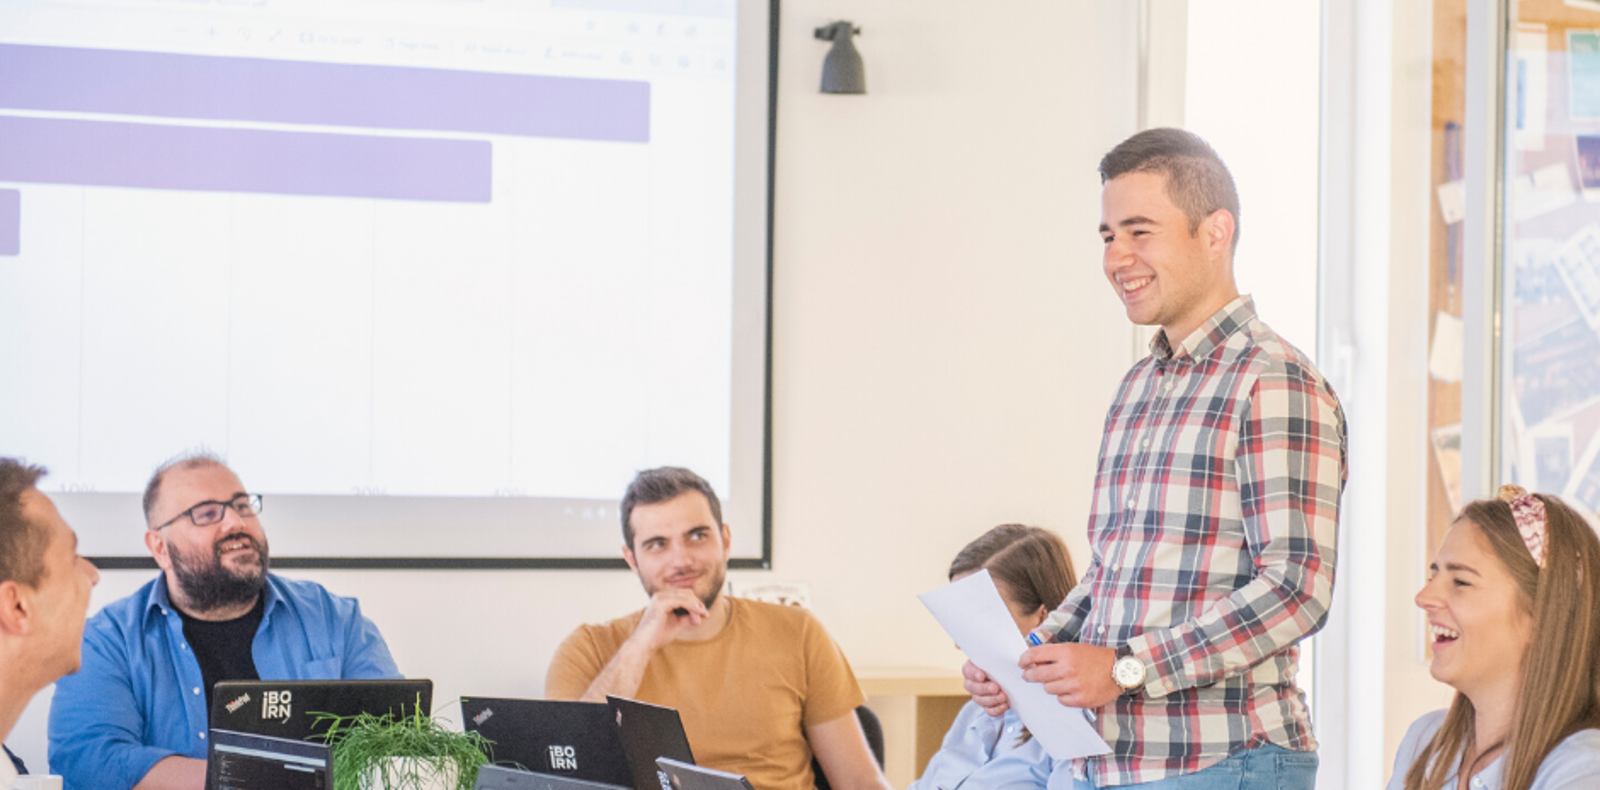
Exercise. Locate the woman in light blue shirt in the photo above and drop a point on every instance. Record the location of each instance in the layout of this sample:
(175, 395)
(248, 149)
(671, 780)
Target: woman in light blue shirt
(1513, 608)
(1033, 572)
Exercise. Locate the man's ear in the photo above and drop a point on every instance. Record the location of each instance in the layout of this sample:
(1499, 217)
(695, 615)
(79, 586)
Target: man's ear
(1218, 229)
(15, 609)
(627, 554)
(157, 544)
(727, 539)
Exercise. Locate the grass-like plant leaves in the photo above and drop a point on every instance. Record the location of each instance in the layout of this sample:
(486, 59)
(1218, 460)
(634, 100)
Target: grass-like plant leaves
(365, 742)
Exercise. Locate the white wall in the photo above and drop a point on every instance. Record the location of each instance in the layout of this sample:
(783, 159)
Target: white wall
(945, 346)
(1253, 73)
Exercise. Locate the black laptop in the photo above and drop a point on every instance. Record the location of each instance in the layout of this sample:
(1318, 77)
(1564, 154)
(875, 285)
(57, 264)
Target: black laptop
(496, 777)
(649, 732)
(288, 708)
(683, 776)
(240, 761)
(572, 739)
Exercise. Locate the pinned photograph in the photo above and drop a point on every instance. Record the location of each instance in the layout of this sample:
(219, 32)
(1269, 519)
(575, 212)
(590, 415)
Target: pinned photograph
(1578, 262)
(1583, 490)
(1552, 456)
(1447, 453)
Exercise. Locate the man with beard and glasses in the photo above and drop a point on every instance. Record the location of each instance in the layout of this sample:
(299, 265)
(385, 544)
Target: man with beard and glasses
(761, 688)
(136, 715)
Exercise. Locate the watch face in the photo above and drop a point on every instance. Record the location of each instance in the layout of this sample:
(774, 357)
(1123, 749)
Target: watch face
(1128, 672)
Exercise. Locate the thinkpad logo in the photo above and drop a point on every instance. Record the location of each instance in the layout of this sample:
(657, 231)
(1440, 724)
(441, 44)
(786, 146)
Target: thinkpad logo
(243, 699)
(563, 758)
(276, 705)
(483, 716)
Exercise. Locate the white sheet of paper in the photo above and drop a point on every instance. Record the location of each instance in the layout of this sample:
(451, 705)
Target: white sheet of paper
(1453, 201)
(1449, 353)
(973, 614)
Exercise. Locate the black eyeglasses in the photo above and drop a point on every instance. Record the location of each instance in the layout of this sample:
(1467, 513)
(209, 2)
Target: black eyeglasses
(207, 513)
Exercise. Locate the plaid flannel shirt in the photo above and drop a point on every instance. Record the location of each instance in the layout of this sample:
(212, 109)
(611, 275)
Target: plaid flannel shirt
(1216, 507)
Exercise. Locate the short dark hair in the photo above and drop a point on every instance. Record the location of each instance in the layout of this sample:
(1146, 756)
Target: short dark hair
(22, 542)
(193, 459)
(1198, 183)
(1033, 562)
(653, 486)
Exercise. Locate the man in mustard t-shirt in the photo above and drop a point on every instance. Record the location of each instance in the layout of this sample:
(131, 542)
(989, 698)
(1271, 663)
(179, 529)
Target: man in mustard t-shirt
(760, 687)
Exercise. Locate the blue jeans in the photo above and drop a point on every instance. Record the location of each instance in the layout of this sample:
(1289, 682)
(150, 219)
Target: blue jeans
(1269, 767)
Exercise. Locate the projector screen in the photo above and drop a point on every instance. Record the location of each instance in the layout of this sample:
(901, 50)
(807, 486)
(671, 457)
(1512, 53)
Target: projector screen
(435, 277)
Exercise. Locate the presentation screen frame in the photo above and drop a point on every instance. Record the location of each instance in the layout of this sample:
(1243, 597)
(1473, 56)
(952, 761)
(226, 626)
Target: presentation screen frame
(751, 462)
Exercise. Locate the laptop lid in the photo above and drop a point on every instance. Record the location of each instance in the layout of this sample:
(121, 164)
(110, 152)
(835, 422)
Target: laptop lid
(572, 739)
(683, 776)
(241, 761)
(497, 777)
(649, 732)
(288, 708)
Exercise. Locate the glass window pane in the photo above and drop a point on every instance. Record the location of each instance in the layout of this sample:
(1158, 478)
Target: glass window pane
(1550, 354)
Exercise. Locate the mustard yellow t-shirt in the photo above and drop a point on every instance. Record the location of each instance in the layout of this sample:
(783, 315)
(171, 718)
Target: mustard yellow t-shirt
(746, 695)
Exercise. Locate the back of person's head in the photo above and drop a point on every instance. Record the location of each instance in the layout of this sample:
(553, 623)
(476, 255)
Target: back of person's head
(1558, 691)
(194, 459)
(22, 543)
(1031, 562)
(663, 484)
(1198, 183)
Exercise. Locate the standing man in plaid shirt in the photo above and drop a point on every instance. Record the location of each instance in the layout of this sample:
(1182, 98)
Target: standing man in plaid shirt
(1216, 506)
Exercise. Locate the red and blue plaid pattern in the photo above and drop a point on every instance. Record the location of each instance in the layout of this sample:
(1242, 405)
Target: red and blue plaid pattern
(1216, 508)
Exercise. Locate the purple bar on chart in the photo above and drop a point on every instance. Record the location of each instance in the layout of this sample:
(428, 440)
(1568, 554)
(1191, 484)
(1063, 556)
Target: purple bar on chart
(325, 94)
(10, 222)
(213, 159)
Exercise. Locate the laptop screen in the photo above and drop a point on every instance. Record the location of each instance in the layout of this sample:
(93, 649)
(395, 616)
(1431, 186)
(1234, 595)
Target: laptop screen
(289, 708)
(573, 739)
(648, 732)
(493, 777)
(239, 761)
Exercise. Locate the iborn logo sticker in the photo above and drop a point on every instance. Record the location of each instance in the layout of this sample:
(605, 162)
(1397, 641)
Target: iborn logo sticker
(483, 717)
(275, 705)
(234, 706)
(563, 758)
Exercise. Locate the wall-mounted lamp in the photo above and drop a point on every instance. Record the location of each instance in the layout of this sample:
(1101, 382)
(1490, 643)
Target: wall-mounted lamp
(841, 69)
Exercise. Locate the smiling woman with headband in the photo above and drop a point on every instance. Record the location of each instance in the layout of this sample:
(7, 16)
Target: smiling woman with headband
(1513, 605)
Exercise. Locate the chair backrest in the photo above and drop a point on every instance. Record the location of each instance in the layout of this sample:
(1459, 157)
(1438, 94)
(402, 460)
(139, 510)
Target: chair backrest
(873, 729)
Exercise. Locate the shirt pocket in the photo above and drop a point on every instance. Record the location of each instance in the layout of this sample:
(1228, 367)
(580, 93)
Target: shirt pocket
(323, 669)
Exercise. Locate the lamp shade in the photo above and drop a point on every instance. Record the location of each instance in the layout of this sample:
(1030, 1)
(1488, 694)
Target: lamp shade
(842, 71)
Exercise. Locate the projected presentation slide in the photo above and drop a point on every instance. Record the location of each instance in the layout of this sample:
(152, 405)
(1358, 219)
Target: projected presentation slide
(436, 278)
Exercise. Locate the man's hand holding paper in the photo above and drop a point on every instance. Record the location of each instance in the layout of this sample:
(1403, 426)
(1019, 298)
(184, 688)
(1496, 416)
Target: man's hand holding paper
(974, 615)
(1078, 675)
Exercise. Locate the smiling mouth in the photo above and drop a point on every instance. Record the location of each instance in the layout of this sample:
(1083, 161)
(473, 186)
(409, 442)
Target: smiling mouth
(1131, 287)
(236, 545)
(1442, 636)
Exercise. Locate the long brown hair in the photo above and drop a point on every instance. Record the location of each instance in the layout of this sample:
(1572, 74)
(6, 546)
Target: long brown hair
(1557, 694)
(1032, 562)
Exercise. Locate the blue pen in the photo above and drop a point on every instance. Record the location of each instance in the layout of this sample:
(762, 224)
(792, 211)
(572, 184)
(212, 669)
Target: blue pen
(1033, 639)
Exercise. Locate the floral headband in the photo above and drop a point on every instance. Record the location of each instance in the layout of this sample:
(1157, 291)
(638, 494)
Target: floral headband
(1528, 511)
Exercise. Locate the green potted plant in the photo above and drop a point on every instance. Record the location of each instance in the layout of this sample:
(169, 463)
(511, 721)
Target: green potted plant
(414, 752)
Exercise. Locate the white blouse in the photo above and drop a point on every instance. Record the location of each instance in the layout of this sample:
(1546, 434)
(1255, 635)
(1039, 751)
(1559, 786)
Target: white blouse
(1573, 765)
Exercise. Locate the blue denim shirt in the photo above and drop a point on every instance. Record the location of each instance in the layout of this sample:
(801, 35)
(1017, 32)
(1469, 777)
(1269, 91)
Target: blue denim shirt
(138, 697)
(981, 751)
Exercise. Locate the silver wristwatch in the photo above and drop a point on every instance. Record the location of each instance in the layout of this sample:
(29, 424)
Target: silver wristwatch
(1128, 672)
